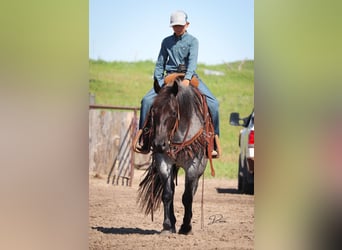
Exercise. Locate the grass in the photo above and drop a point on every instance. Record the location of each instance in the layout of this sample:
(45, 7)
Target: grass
(125, 83)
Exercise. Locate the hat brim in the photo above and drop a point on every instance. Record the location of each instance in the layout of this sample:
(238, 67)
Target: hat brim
(178, 23)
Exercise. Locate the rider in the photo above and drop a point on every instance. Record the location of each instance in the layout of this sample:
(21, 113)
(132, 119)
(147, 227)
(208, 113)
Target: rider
(180, 50)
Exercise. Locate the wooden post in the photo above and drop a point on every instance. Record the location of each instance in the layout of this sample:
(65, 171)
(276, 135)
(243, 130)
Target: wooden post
(92, 99)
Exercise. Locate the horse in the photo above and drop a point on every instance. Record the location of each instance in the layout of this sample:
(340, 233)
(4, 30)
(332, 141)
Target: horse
(182, 135)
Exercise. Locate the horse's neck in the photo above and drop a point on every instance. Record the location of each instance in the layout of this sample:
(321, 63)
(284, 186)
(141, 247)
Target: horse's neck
(187, 131)
(188, 127)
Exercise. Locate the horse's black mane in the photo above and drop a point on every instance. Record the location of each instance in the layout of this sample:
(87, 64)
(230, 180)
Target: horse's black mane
(187, 99)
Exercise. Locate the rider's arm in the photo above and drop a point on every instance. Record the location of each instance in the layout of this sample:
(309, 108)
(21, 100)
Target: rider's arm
(193, 55)
(160, 64)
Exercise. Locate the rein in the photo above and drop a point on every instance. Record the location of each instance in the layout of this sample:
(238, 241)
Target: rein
(179, 146)
(203, 136)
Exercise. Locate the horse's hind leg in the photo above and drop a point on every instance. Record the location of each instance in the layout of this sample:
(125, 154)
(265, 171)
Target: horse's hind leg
(167, 198)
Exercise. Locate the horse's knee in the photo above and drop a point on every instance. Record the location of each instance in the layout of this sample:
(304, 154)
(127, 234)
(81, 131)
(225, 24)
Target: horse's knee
(187, 198)
(167, 196)
(167, 193)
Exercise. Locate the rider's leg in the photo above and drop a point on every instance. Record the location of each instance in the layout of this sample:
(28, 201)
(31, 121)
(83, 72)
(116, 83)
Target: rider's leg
(142, 143)
(146, 104)
(213, 106)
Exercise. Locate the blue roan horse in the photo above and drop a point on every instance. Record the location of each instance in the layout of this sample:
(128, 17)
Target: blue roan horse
(182, 134)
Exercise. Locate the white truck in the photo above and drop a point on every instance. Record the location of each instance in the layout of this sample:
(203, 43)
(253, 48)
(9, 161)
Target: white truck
(246, 156)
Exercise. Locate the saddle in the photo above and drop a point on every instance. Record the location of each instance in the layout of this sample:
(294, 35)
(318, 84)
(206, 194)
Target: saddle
(170, 78)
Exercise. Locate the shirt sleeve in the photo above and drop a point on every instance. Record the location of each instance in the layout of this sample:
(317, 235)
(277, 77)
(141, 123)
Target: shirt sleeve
(193, 56)
(160, 64)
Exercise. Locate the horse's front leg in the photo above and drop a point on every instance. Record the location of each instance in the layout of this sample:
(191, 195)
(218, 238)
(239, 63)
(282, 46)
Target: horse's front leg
(166, 171)
(187, 199)
(192, 175)
(168, 194)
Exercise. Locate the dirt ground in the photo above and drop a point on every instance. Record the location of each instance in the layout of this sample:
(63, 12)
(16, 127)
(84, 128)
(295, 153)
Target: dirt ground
(116, 222)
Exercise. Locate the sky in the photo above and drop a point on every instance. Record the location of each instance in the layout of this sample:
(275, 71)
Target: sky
(132, 30)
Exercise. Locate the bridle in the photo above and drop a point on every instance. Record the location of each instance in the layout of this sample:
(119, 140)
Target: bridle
(204, 137)
(175, 147)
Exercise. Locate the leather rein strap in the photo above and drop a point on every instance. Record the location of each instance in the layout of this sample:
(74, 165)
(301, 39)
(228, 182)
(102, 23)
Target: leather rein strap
(207, 132)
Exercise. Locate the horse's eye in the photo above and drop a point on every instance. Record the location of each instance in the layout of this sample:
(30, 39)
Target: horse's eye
(174, 114)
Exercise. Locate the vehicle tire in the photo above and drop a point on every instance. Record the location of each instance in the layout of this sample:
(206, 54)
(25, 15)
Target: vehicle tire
(247, 188)
(240, 176)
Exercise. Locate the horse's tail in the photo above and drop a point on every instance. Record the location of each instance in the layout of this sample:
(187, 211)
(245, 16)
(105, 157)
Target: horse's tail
(151, 190)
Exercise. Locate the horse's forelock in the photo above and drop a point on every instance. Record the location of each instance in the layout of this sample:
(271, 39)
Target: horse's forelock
(163, 96)
(185, 96)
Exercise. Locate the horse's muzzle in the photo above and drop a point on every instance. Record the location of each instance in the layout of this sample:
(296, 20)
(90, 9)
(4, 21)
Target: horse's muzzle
(160, 146)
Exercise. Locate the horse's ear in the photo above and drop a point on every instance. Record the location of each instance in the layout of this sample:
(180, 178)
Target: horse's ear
(175, 88)
(156, 86)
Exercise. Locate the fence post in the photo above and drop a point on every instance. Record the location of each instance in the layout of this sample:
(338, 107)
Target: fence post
(123, 162)
(92, 99)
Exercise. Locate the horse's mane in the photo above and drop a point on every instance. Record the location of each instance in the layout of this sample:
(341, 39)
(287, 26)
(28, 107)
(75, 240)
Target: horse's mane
(187, 100)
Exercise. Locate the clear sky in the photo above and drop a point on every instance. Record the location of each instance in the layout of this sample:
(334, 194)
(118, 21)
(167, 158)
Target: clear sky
(132, 30)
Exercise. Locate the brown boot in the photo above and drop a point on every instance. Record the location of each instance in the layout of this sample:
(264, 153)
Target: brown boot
(141, 143)
(217, 148)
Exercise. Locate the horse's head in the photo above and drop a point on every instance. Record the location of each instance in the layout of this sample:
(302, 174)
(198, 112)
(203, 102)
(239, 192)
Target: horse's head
(165, 115)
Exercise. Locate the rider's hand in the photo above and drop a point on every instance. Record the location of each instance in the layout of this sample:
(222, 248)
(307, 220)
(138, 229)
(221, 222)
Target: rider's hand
(186, 82)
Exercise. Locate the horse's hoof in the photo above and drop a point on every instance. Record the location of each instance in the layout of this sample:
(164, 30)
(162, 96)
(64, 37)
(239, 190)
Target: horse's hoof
(168, 231)
(165, 232)
(186, 230)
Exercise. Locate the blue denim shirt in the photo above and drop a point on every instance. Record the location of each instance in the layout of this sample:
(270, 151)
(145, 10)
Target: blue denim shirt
(174, 51)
